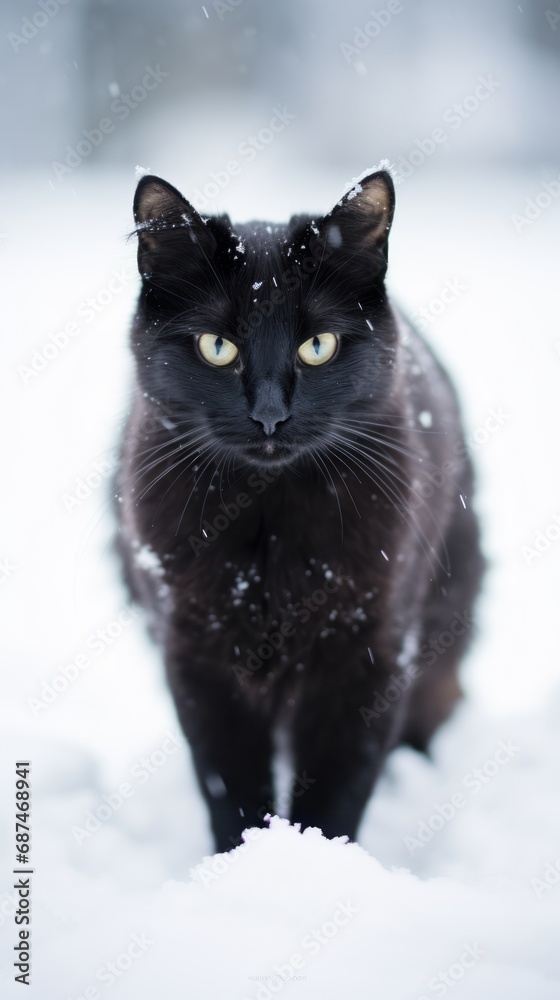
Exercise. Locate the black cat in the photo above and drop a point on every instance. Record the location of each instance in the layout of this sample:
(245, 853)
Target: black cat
(295, 503)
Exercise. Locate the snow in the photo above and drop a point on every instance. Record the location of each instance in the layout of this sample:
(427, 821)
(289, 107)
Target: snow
(334, 235)
(354, 187)
(147, 559)
(455, 887)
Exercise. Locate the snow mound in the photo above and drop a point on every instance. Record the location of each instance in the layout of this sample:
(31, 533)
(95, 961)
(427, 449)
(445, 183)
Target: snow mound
(288, 907)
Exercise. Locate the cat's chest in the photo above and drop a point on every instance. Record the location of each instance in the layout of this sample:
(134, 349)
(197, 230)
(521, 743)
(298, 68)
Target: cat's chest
(276, 589)
(302, 564)
(266, 552)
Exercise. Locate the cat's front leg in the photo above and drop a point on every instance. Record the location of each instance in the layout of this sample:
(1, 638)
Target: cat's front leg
(230, 742)
(339, 745)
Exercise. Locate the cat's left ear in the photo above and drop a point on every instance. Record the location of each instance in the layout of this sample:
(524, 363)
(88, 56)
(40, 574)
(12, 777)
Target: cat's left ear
(361, 221)
(167, 224)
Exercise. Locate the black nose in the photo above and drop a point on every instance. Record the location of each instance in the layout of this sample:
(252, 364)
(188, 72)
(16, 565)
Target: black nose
(269, 408)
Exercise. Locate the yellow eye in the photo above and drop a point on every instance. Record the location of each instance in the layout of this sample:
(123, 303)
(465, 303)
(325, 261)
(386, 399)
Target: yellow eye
(217, 350)
(319, 349)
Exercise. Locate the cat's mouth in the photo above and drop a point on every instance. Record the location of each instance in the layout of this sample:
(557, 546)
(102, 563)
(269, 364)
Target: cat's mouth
(269, 453)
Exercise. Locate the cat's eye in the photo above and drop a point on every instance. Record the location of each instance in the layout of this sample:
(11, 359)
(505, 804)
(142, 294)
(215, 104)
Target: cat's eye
(217, 350)
(319, 349)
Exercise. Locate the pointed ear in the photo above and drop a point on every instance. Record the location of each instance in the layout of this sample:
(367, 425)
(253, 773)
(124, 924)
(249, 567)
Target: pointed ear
(167, 226)
(361, 221)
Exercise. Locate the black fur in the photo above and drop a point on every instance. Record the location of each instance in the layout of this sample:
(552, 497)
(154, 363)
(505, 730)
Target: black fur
(302, 537)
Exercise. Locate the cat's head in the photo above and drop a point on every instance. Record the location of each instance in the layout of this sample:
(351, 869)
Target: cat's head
(265, 336)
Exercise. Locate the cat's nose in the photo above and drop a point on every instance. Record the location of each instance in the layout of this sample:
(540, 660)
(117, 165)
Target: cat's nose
(269, 408)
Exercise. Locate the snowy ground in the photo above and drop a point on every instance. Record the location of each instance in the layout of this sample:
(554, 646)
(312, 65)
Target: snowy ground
(119, 832)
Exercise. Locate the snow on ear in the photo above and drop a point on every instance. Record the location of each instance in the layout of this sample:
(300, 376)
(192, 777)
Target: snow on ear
(362, 218)
(166, 223)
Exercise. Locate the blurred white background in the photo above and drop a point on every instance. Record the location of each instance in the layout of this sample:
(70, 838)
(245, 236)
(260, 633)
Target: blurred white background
(462, 100)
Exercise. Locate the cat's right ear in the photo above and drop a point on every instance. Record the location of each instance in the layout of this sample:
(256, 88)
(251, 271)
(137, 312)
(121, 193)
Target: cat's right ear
(167, 226)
